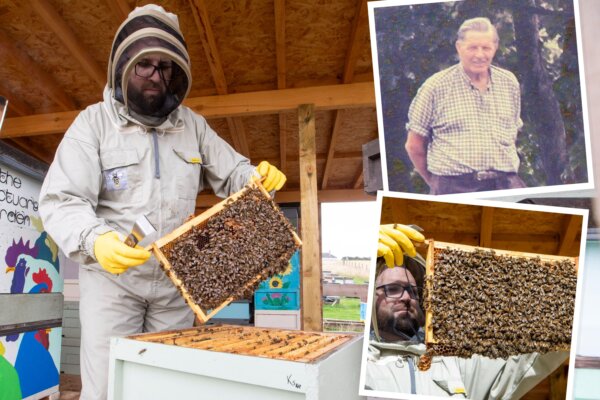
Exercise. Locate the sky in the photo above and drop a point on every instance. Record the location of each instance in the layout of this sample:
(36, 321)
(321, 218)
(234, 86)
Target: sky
(349, 229)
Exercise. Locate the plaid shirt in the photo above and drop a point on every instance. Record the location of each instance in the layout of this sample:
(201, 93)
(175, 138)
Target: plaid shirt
(468, 130)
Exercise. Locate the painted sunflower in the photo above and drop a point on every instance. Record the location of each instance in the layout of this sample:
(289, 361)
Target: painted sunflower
(275, 283)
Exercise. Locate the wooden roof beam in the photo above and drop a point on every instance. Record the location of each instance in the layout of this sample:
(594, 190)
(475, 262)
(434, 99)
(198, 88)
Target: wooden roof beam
(200, 13)
(120, 8)
(571, 226)
(359, 180)
(209, 44)
(45, 81)
(332, 142)
(54, 21)
(281, 76)
(354, 95)
(360, 27)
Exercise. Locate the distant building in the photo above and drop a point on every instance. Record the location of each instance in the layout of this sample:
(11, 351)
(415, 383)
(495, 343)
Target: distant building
(328, 256)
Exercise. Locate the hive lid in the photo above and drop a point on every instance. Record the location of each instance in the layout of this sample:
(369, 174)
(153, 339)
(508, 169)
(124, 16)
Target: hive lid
(270, 343)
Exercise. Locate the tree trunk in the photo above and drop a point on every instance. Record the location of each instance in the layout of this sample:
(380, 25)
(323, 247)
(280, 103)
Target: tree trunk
(540, 107)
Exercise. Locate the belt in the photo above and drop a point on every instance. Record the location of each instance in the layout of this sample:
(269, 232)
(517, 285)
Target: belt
(482, 175)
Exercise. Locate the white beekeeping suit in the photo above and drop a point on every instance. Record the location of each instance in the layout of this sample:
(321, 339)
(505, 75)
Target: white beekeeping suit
(116, 163)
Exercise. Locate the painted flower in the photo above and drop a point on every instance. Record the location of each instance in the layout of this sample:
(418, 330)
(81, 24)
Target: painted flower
(288, 270)
(275, 283)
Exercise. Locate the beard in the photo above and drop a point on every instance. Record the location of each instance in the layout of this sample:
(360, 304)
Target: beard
(149, 104)
(403, 326)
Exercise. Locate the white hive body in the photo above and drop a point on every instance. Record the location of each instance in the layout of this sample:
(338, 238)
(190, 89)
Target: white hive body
(234, 362)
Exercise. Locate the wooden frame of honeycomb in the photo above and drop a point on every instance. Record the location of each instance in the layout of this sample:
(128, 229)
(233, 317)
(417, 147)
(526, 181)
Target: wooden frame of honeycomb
(453, 344)
(162, 246)
(274, 343)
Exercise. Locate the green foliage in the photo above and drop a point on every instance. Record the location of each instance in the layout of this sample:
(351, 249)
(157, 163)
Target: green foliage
(346, 309)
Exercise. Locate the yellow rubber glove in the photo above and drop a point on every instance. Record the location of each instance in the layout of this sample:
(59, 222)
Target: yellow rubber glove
(274, 178)
(115, 256)
(395, 240)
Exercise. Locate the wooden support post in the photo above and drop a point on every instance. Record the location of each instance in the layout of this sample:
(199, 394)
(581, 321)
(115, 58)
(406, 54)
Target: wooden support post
(312, 309)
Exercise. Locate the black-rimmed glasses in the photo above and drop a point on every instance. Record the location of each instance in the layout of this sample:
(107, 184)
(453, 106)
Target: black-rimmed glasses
(145, 69)
(395, 291)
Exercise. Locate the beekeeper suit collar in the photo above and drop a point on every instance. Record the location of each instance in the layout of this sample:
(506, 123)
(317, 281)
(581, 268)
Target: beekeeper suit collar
(148, 48)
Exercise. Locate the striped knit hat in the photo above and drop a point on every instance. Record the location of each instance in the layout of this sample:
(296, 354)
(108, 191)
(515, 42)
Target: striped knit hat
(150, 30)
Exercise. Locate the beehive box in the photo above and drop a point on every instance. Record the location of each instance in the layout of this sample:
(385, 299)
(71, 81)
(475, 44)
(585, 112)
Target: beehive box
(497, 303)
(222, 254)
(234, 362)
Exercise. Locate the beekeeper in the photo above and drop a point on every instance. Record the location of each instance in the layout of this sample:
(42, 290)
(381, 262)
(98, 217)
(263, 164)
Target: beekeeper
(138, 152)
(397, 338)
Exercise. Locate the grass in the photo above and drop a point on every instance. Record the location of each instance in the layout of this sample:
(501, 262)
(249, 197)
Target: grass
(347, 309)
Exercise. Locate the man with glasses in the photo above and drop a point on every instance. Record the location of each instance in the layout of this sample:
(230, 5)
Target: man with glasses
(397, 337)
(138, 152)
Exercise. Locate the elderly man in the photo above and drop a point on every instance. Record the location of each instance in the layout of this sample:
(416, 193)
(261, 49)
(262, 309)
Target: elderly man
(397, 339)
(138, 152)
(463, 122)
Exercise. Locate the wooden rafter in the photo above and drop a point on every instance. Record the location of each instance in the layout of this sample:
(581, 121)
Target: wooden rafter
(354, 95)
(332, 142)
(487, 220)
(238, 134)
(26, 146)
(281, 76)
(282, 142)
(571, 226)
(209, 44)
(359, 180)
(45, 81)
(24, 143)
(359, 28)
(15, 104)
(54, 21)
(120, 8)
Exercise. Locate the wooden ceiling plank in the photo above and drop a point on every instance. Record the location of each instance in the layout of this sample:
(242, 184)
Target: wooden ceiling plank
(332, 141)
(282, 142)
(15, 104)
(55, 22)
(45, 81)
(238, 134)
(200, 13)
(360, 27)
(120, 8)
(487, 221)
(353, 95)
(571, 227)
(280, 43)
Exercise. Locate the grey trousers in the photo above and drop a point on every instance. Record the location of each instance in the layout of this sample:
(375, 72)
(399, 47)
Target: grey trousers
(142, 299)
(467, 183)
